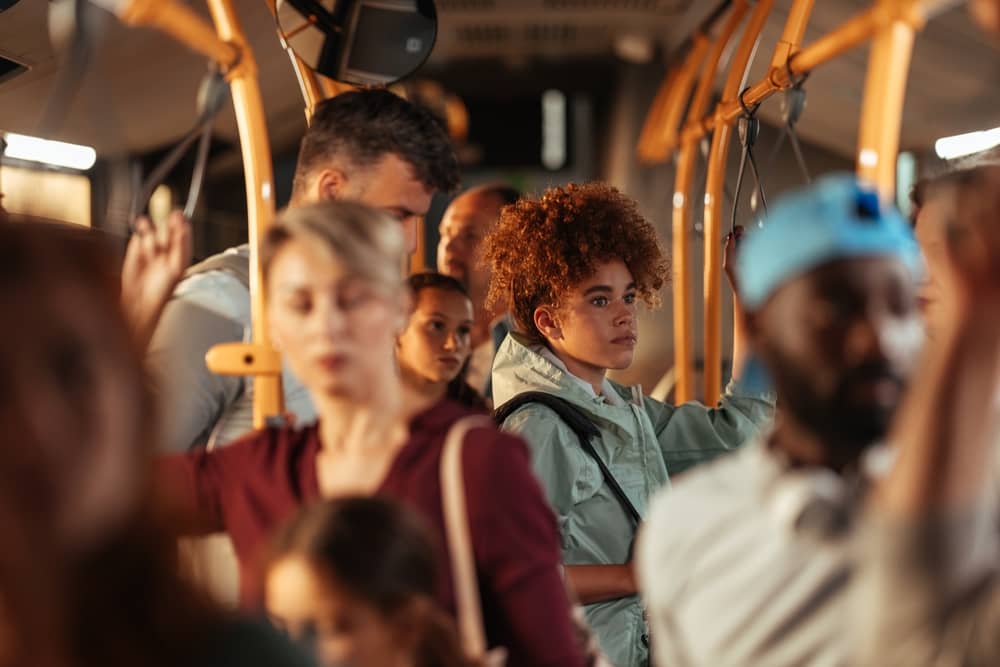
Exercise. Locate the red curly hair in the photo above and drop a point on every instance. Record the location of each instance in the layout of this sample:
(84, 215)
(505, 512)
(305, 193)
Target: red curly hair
(541, 249)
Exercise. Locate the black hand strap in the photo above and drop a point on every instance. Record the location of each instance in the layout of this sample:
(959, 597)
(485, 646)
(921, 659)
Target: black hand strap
(585, 431)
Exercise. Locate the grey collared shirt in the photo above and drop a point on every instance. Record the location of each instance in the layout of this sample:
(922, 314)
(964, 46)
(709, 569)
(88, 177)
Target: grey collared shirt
(747, 562)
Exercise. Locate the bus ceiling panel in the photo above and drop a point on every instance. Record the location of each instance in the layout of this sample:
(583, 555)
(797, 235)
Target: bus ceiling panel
(132, 73)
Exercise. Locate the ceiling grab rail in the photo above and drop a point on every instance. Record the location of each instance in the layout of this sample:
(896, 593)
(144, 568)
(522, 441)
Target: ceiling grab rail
(687, 158)
(738, 71)
(226, 45)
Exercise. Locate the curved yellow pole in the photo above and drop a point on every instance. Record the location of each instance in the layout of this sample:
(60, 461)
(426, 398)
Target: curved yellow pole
(259, 358)
(885, 93)
(687, 159)
(713, 202)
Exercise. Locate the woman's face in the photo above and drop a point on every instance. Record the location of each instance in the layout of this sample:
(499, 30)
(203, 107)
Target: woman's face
(595, 328)
(71, 384)
(344, 631)
(336, 330)
(436, 342)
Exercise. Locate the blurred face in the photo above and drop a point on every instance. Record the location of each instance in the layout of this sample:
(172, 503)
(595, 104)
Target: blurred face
(594, 328)
(337, 330)
(436, 342)
(72, 389)
(390, 185)
(930, 224)
(841, 343)
(463, 227)
(343, 630)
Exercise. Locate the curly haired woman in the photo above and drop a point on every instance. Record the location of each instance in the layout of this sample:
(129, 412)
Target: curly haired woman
(571, 268)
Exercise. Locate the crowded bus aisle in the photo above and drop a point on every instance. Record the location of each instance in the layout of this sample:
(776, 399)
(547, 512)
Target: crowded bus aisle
(471, 466)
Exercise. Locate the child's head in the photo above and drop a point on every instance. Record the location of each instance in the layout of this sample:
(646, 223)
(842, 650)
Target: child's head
(356, 578)
(570, 268)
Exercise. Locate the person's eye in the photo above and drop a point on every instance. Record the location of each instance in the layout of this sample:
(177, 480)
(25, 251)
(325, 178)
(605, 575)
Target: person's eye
(300, 305)
(630, 298)
(599, 301)
(353, 296)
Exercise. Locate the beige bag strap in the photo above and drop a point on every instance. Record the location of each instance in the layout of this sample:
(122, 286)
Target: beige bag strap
(456, 525)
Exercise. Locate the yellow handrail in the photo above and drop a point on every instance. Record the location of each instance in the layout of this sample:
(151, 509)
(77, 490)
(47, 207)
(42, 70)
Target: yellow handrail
(686, 160)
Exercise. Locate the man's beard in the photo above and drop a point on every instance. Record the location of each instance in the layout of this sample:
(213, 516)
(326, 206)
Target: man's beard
(839, 420)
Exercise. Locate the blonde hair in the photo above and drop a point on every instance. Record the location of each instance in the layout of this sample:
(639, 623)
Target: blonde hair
(367, 241)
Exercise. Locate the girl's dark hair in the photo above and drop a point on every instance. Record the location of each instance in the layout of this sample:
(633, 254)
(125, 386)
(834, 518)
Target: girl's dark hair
(459, 389)
(381, 553)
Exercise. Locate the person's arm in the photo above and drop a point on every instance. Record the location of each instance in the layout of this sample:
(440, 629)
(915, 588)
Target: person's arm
(192, 397)
(517, 548)
(692, 433)
(928, 573)
(599, 583)
(739, 325)
(153, 265)
(191, 489)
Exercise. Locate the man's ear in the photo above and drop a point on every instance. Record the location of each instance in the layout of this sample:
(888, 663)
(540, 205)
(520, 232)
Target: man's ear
(331, 184)
(547, 323)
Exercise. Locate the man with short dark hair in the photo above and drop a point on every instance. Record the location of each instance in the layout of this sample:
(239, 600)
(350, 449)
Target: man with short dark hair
(465, 223)
(747, 560)
(370, 146)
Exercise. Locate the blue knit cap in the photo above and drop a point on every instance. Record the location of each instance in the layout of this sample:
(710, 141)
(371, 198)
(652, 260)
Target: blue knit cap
(835, 218)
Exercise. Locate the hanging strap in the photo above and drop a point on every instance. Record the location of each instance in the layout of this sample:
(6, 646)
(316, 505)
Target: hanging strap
(456, 525)
(748, 129)
(585, 431)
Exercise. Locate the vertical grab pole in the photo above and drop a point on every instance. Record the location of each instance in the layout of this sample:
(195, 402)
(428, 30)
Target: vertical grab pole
(713, 202)
(681, 254)
(249, 107)
(884, 95)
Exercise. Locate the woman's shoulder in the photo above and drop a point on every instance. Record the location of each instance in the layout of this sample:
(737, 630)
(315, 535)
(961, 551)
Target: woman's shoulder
(483, 438)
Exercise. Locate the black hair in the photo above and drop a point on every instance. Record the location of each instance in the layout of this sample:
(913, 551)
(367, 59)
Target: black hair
(363, 126)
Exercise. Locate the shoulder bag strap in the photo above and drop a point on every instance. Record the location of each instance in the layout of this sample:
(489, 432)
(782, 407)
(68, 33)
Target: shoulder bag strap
(456, 523)
(585, 432)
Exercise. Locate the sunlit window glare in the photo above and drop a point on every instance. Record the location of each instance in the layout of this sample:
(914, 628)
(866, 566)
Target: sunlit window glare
(57, 153)
(948, 148)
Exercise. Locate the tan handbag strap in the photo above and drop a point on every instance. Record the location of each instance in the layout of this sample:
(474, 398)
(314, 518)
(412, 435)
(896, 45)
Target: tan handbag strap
(456, 524)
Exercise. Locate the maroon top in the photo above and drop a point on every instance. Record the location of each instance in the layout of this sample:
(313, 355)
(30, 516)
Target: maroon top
(250, 487)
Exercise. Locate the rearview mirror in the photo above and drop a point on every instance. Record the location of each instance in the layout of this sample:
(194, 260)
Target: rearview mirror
(361, 42)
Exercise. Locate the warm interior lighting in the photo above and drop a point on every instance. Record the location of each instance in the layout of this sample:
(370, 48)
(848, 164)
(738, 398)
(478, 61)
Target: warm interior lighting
(948, 148)
(73, 156)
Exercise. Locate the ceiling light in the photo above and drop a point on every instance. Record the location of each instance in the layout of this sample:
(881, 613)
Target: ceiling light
(73, 156)
(948, 148)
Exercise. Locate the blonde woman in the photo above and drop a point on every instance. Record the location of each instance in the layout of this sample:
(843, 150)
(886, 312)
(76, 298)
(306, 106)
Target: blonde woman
(336, 306)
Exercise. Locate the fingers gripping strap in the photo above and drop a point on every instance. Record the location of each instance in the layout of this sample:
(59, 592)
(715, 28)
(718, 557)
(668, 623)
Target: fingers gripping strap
(456, 523)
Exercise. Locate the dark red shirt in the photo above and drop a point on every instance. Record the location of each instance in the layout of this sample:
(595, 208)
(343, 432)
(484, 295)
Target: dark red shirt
(250, 487)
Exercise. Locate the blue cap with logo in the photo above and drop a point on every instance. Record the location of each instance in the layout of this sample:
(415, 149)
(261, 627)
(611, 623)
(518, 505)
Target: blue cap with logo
(835, 218)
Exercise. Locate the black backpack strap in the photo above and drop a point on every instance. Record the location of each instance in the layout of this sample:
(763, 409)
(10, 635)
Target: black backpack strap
(585, 431)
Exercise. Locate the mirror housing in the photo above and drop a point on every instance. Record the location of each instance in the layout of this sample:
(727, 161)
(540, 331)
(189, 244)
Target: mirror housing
(360, 42)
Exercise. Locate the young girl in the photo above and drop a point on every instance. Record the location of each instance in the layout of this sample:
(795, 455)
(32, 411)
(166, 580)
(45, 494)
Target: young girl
(571, 269)
(434, 349)
(355, 578)
(332, 275)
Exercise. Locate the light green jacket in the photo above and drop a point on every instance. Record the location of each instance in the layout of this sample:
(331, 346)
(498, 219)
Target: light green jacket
(643, 443)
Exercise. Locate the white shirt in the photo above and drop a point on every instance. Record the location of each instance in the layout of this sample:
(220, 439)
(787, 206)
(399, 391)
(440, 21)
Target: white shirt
(746, 561)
